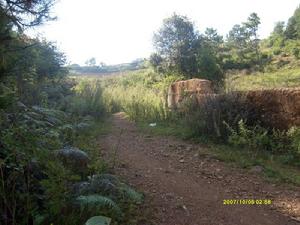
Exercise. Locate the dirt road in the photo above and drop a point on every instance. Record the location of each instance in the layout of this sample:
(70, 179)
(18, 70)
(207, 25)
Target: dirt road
(184, 185)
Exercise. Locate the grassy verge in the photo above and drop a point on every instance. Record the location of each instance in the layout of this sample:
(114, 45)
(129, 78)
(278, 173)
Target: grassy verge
(275, 169)
(283, 78)
(88, 141)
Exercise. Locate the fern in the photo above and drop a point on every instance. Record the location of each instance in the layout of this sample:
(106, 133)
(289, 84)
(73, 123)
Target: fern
(98, 220)
(131, 194)
(109, 184)
(96, 202)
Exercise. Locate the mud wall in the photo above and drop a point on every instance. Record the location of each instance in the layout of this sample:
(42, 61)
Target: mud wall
(278, 108)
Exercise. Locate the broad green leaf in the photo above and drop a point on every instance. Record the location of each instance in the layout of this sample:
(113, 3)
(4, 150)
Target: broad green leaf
(98, 220)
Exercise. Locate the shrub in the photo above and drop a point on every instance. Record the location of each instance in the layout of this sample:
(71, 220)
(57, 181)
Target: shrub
(294, 135)
(229, 118)
(207, 118)
(258, 138)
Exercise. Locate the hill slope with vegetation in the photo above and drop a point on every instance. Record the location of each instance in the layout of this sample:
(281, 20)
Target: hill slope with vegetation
(285, 77)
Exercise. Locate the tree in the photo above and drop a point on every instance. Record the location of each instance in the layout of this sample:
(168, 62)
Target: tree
(27, 13)
(243, 42)
(156, 61)
(279, 28)
(19, 14)
(215, 43)
(91, 62)
(252, 26)
(207, 63)
(174, 43)
(213, 39)
(182, 50)
(237, 41)
(277, 37)
(102, 64)
(293, 26)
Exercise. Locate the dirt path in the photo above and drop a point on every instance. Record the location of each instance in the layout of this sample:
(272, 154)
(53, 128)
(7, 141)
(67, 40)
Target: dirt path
(184, 185)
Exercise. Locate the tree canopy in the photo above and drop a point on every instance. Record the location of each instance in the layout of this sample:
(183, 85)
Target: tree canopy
(174, 43)
(181, 49)
(26, 13)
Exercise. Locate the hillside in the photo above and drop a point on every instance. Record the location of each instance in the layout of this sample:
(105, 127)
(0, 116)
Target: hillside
(285, 77)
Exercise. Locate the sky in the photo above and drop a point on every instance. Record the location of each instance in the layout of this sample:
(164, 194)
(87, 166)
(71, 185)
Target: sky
(119, 31)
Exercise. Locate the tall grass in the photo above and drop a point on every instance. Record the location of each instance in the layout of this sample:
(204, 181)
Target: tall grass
(88, 98)
(140, 104)
(140, 94)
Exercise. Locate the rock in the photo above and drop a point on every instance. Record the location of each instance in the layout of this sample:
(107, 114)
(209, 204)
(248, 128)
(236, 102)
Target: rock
(74, 159)
(257, 169)
(189, 148)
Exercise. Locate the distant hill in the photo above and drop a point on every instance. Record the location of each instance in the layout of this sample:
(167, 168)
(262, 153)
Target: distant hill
(103, 69)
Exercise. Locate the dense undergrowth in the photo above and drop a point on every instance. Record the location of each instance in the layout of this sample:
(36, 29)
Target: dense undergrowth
(51, 170)
(39, 188)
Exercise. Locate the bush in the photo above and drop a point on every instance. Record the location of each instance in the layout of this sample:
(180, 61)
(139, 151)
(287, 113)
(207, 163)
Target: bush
(230, 119)
(294, 135)
(258, 138)
(207, 118)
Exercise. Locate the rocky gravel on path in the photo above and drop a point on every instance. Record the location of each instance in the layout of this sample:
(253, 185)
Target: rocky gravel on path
(186, 185)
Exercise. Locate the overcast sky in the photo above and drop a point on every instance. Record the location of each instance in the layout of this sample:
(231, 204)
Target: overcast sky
(117, 31)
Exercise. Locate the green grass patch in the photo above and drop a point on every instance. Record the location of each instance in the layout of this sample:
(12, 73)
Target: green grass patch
(88, 141)
(283, 78)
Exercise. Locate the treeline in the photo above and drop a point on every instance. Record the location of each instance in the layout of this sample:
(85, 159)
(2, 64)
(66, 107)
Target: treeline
(181, 49)
(91, 67)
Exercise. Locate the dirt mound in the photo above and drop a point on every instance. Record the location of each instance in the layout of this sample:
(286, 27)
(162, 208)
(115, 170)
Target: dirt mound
(179, 90)
(279, 108)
